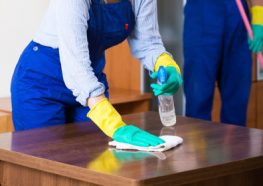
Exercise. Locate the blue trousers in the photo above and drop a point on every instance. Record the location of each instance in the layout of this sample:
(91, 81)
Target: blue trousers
(216, 50)
(39, 95)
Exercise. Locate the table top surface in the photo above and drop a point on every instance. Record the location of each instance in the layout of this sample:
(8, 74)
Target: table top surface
(81, 151)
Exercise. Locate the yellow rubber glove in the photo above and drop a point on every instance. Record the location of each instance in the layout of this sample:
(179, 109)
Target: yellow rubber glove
(174, 80)
(256, 45)
(104, 115)
(257, 15)
(166, 60)
(110, 122)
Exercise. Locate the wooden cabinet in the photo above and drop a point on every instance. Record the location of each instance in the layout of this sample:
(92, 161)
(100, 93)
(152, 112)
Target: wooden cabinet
(122, 70)
(124, 100)
(130, 101)
(216, 106)
(259, 96)
(6, 124)
(124, 78)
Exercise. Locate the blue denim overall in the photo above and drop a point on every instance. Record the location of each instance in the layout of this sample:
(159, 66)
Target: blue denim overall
(39, 95)
(216, 49)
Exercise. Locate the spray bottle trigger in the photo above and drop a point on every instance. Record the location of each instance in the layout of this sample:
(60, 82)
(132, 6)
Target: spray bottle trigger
(162, 75)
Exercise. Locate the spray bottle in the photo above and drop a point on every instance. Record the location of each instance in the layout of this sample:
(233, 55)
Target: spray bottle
(165, 102)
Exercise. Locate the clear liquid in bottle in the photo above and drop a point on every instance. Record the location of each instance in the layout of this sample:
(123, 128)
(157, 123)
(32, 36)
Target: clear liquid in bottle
(166, 110)
(165, 102)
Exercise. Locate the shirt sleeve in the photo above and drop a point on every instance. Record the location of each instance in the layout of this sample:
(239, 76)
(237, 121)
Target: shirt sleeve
(72, 23)
(145, 41)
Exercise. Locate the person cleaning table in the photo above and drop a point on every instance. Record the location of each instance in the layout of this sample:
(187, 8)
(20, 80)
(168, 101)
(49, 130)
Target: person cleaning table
(59, 77)
(216, 49)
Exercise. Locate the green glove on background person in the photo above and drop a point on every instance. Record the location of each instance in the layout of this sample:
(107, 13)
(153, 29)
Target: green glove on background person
(256, 45)
(174, 80)
(110, 122)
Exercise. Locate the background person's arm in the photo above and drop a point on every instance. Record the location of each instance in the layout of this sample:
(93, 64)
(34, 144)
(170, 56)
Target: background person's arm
(256, 45)
(72, 24)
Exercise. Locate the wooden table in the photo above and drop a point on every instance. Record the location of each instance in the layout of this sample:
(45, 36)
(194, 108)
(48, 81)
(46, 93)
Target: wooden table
(78, 154)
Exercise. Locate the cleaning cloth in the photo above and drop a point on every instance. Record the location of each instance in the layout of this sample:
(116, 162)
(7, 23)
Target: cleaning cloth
(170, 142)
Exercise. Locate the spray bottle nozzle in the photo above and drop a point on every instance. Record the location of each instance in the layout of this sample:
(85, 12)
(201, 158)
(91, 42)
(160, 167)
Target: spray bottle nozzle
(162, 75)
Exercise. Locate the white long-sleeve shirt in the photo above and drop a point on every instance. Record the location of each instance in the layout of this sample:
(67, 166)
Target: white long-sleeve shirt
(65, 27)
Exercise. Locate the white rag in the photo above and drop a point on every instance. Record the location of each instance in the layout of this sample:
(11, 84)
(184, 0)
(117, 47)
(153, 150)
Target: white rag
(170, 142)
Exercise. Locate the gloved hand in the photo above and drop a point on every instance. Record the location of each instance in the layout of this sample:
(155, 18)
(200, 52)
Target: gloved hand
(256, 45)
(174, 80)
(110, 122)
(135, 136)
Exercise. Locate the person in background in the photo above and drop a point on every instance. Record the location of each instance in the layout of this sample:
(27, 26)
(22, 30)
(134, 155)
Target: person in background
(59, 77)
(216, 49)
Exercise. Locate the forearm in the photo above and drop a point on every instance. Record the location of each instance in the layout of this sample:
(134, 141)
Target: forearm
(91, 102)
(256, 2)
(78, 74)
(145, 41)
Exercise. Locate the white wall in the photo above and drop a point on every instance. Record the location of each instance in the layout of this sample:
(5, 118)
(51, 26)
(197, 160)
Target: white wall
(19, 20)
